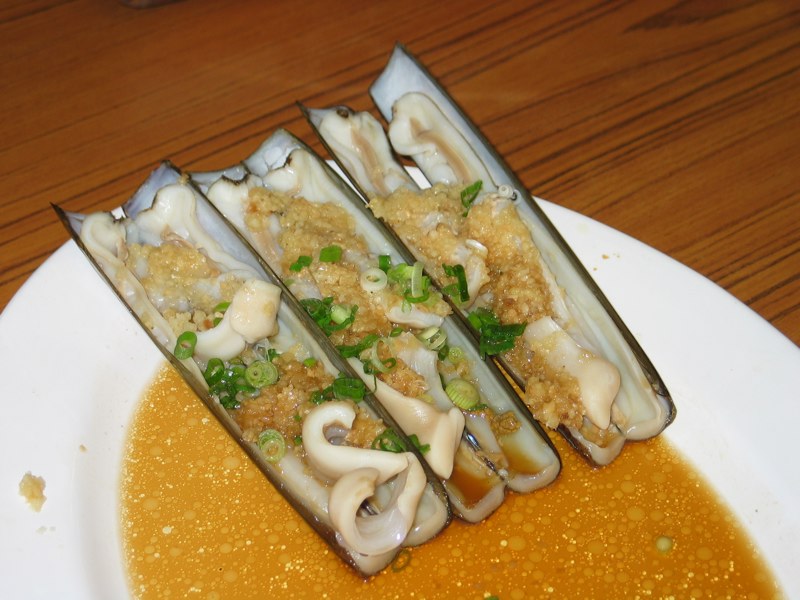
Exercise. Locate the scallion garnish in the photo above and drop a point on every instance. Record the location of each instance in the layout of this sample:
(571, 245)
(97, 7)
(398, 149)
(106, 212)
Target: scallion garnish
(390, 441)
(215, 370)
(221, 307)
(272, 444)
(184, 347)
(458, 289)
(301, 262)
(468, 195)
(349, 388)
(322, 311)
(495, 337)
(310, 362)
(342, 388)
(384, 262)
(462, 393)
(330, 254)
(356, 349)
(261, 373)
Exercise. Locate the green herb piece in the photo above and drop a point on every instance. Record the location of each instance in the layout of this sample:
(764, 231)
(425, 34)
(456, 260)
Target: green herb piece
(310, 362)
(322, 312)
(272, 444)
(349, 388)
(459, 289)
(330, 254)
(384, 262)
(468, 195)
(215, 370)
(221, 307)
(261, 373)
(184, 347)
(395, 331)
(342, 388)
(301, 262)
(389, 441)
(356, 349)
(423, 448)
(463, 394)
(495, 337)
(272, 354)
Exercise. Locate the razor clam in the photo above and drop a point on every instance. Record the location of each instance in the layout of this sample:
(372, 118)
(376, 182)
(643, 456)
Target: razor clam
(185, 274)
(577, 333)
(302, 190)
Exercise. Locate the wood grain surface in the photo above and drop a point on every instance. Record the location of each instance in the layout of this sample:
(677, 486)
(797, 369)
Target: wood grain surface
(676, 122)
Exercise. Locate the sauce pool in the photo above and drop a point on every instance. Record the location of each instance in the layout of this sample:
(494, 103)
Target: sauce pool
(199, 520)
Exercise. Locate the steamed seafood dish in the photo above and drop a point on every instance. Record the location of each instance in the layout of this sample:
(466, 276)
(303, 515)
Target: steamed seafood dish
(388, 320)
(505, 269)
(294, 406)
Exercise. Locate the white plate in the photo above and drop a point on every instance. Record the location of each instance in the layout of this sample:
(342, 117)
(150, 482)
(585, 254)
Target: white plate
(73, 365)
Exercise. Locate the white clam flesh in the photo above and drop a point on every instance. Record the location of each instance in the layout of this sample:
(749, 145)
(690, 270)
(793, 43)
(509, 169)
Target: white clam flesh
(597, 378)
(357, 473)
(358, 141)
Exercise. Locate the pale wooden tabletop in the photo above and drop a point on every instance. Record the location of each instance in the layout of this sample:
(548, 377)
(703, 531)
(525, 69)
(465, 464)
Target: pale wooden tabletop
(676, 122)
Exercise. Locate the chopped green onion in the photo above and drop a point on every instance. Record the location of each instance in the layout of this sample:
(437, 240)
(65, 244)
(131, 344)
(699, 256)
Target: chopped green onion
(272, 444)
(215, 370)
(373, 280)
(342, 387)
(222, 307)
(400, 273)
(433, 338)
(184, 347)
(389, 441)
(272, 354)
(298, 439)
(301, 262)
(321, 311)
(395, 331)
(373, 362)
(462, 393)
(349, 387)
(416, 280)
(384, 262)
(455, 354)
(468, 195)
(495, 337)
(460, 274)
(339, 313)
(261, 373)
(310, 362)
(330, 254)
(357, 349)
(423, 448)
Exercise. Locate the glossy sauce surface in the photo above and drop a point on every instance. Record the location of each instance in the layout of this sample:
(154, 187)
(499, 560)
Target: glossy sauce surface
(198, 520)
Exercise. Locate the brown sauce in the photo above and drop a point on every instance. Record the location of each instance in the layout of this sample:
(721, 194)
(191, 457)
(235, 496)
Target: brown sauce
(198, 520)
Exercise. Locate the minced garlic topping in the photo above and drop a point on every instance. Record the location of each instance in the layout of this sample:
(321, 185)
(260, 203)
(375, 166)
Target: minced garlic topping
(31, 488)
(432, 223)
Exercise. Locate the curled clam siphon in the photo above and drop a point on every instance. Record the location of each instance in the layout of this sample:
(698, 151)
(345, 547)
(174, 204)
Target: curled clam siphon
(530, 302)
(229, 327)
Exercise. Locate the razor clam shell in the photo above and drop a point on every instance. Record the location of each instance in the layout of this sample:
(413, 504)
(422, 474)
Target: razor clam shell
(273, 154)
(644, 398)
(293, 485)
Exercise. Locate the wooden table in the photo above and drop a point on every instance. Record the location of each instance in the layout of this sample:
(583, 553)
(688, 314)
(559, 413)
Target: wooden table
(675, 122)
